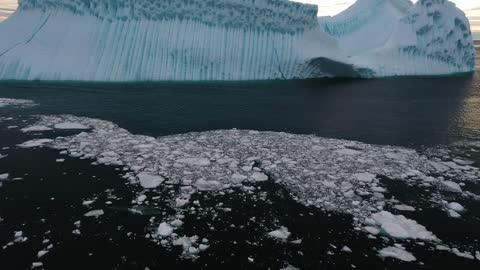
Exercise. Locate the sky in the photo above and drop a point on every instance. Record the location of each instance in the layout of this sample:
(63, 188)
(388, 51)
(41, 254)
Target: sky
(325, 7)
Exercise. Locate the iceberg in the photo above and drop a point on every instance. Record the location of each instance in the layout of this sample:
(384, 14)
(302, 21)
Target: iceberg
(201, 40)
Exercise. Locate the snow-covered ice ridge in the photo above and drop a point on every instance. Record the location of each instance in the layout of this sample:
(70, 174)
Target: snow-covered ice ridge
(272, 15)
(178, 40)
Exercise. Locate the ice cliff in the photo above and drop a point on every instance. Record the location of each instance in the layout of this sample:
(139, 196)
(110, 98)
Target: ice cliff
(153, 40)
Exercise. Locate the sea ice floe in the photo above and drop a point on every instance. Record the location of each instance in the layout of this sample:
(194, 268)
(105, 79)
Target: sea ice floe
(4, 102)
(282, 233)
(37, 264)
(452, 186)
(4, 176)
(364, 177)
(70, 125)
(403, 207)
(459, 253)
(194, 161)
(398, 226)
(164, 229)
(344, 176)
(148, 180)
(455, 207)
(397, 252)
(94, 213)
(453, 214)
(37, 128)
(258, 176)
(42, 253)
(34, 143)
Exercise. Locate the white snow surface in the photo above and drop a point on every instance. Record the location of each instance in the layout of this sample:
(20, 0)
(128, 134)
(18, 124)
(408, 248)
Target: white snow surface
(182, 40)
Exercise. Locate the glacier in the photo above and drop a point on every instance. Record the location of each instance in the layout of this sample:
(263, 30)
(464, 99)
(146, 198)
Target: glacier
(201, 40)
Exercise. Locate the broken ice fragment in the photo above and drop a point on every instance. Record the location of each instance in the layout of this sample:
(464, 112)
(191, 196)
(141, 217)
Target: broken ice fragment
(149, 181)
(281, 233)
(398, 253)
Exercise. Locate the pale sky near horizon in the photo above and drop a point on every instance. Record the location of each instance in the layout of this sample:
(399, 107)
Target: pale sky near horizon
(325, 7)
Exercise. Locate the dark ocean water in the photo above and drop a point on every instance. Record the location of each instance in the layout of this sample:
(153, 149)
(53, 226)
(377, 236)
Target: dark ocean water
(412, 112)
(409, 111)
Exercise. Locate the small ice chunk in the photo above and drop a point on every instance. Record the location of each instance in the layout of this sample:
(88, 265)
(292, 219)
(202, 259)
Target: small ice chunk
(88, 202)
(364, 177)
(41, 253)
(462, 254)
(453, 214)
(70, 125)
(177, 223)
(94, 213)
(237, 178)
(379, 189)
(329, 184)
(36, 128)
(4, 176)
(347, 249)
(150, 181)
(403, 207)
(372, 230)
(259, 177)
(348, 152)
(456, 207)
(34, 143)
(442, 247)
(281, 233)
(398, 226)
(164, 229)
(202, 184)
(452, 186)
(181, 202)
(141, 198)
(194, 161)
(397, 253)
(290, 267)
(37, 264)
(4, 102)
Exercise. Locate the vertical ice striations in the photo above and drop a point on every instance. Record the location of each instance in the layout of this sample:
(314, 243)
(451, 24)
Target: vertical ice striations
(440, 40)
(178, 40)
(431, 37)
(141, 40)
(361, 13)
